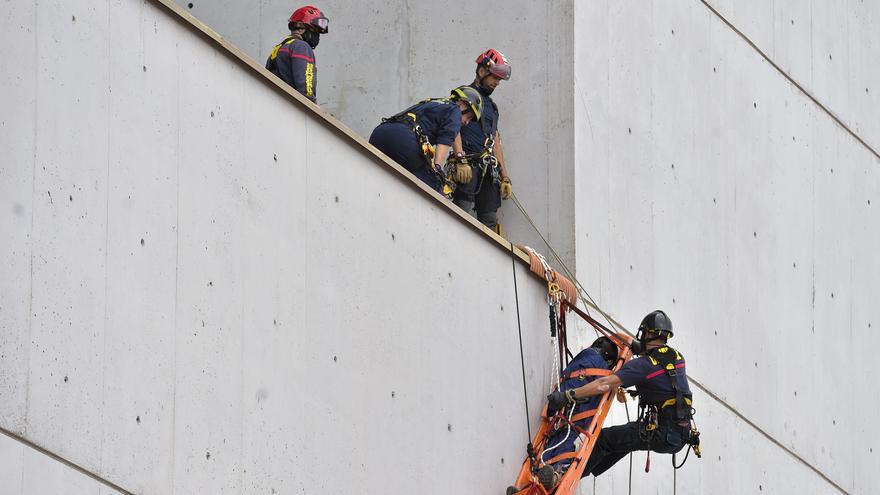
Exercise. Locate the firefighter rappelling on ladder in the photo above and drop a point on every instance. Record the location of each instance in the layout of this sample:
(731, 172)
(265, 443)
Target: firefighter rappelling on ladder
(570, 426)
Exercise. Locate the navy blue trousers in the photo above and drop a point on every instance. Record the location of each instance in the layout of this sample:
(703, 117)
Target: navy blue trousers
(399, 142)
(484, 201)
(560, 434)
(615, 442)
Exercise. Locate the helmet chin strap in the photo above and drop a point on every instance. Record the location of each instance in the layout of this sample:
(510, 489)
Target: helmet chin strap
(639, 345)
(480, 81)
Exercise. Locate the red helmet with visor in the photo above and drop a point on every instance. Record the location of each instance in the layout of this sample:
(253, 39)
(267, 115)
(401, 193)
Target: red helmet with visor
(495, 62)
(311, 17)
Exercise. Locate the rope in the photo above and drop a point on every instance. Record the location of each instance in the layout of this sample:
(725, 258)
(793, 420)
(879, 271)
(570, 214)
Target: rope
(522, 359)
(567, 434)
(674, 481)
(630, 484)
(583, 292)
(540, 267)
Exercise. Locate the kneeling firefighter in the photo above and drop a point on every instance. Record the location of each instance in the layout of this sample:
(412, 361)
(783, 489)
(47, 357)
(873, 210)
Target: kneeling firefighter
(665, 423)
(420, 137)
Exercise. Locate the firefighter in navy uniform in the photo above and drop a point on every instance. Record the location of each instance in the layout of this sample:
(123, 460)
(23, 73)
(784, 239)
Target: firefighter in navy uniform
(488, 182)
(293, 60)
(665, 407)
(420, 137)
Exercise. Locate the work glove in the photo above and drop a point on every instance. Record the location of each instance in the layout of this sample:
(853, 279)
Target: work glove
(558, 400)
(506, 188)
(463, 172)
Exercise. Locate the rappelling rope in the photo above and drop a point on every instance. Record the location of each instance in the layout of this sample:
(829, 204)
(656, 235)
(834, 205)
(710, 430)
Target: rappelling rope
(630, 483)
(558, 288)
(522, 359)
(585, 296)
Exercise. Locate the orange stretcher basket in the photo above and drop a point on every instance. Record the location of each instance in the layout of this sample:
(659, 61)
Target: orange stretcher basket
(527, 481)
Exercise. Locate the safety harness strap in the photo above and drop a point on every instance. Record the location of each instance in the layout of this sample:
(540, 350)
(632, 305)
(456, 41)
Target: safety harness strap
(666, 357)
(587, 372)
(272, 58)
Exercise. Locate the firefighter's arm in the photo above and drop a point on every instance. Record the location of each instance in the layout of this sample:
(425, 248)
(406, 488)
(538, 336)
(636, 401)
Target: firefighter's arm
(499, 154)
(457, 146)
(506, 186)
(463, 172)
(302, 65)
(597, 387)
(441, 151)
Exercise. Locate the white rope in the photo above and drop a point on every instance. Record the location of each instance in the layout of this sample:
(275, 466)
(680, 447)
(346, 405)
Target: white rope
(564, 439)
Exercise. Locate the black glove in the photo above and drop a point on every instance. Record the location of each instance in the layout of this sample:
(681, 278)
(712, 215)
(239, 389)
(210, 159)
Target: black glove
(558, 400)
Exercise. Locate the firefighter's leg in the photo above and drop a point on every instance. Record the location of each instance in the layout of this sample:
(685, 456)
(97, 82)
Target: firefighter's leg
(613, 444)
(487, 202)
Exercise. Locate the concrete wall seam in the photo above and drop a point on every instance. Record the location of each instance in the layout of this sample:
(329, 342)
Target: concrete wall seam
(766, 434)
(203, 285)
(792, 80)
(59, 459)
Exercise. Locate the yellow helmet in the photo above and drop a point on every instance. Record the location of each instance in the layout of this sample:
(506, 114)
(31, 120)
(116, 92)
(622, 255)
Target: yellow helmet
(470, 96)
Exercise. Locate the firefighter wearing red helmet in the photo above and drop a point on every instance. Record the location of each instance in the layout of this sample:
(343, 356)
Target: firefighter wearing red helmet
(293, 60)
(488, 183)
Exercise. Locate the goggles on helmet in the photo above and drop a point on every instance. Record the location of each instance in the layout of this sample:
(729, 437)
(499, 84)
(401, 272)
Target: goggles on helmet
(499, 70)
(320, 24)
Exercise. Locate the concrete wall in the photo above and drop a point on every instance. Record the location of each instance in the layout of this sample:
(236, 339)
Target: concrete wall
(208, 288)
(829, 47)
(156, 308)
(381, 57)
(717, 190)
(26, 471)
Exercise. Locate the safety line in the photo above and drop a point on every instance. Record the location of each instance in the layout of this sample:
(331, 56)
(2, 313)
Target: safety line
(62, 460)
(614, 323)
(588, 300)
(630, 482)
(522, 359)
(767, 435)
(790, 79)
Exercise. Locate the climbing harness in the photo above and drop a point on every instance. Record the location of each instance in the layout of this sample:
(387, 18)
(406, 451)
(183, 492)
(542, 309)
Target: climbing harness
(272, 63)
(670, 361)
(444, 175)
(486, 163)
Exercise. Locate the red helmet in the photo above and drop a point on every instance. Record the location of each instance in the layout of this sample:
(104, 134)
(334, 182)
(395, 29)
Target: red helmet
(496, 62)
(312, 17)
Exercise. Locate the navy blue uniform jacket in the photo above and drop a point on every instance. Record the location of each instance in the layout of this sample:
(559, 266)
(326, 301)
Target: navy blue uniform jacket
(293, 60)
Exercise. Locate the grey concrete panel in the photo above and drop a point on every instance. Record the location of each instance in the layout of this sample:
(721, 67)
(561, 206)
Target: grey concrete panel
(139, 357)
(17, 137)
(215, 311)
(69, 228)
(380, 58)
(26, 471)
(719, 192)
(826, 46)
(736, 459)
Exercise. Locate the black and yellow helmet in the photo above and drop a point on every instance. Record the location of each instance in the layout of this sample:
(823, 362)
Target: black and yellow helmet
(470, 96)
(658, 323)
